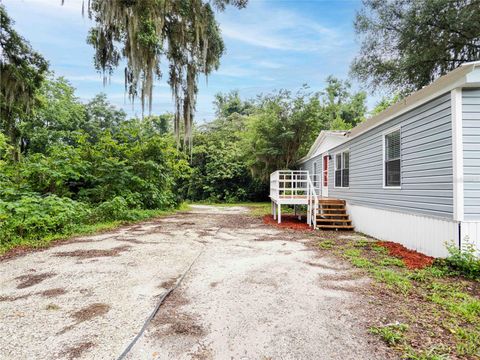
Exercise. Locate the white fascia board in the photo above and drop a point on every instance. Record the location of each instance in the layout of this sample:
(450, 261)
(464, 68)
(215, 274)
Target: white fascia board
(323, 136)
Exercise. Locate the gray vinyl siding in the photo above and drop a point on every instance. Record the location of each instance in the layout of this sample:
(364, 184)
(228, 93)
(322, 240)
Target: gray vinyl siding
(426, 163)
(471, 152)
(308, 165)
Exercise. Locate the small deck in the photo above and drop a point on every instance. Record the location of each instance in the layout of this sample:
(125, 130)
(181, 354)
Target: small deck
(295, 187)
(292, 187)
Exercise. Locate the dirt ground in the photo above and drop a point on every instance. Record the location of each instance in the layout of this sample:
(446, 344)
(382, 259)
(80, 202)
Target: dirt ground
(253, 292)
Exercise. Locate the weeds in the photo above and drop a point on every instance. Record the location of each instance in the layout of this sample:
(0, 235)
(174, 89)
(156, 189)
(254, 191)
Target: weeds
(52, 307)
(468, 342)
(464, 262)
(392, 334)
(326, 244)
(430, 354)
(394, 280)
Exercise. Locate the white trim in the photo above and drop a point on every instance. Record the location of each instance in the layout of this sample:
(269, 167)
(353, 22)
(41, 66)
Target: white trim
(457, 154)
(341, 152)
(384, 134)
(335, 171)
(324, 189)
(323, 136)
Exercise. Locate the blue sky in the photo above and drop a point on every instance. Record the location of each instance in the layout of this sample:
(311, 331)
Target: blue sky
(271, 44)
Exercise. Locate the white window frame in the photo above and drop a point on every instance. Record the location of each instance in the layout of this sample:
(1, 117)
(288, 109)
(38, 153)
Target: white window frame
(341, 170)
(384, 134)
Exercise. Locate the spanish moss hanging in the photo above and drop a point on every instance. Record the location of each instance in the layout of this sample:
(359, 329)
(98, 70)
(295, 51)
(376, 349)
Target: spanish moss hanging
(142, 33)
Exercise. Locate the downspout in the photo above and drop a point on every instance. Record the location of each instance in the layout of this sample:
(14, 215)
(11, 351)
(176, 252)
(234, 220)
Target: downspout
(460, 235)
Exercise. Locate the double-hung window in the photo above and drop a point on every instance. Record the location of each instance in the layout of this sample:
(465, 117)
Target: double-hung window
(392, 149)
(342, 166)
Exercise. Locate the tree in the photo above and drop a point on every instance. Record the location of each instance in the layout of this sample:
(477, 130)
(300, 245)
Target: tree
(219, 160)
(22, 71)
(280, 130)
(58, 116)
(406, 44)
(146, 32)
(101, 116)
(385, 103)
(231, 103)
(341, 109)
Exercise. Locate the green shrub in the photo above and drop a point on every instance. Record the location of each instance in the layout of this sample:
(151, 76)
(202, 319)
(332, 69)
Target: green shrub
(465, 261)
(32, 216)
(115, 209)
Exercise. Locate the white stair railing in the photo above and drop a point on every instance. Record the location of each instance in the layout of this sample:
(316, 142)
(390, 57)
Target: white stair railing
(312, 207)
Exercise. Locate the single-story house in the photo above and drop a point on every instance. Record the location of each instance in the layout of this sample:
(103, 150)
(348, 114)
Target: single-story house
(410, 174)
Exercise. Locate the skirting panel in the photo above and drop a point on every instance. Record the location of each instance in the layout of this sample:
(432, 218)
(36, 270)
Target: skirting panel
(471, 234)
(425, 234)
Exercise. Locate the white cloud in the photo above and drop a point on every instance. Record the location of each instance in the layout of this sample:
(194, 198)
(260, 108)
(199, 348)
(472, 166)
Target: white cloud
(269, 64)
(234, 71)
(268, 28)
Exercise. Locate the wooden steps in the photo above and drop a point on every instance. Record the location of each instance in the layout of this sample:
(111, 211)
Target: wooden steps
(336, 227)
(332, 215)
(322, 220)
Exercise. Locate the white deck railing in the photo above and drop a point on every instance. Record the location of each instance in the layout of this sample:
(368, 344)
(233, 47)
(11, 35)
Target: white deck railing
(295, 187)
(289, 184)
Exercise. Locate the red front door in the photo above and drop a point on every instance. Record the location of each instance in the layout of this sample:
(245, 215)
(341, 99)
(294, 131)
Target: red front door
(325, 176)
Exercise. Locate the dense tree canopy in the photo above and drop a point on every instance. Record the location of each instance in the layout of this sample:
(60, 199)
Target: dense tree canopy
(284, 125)
(406, 44)
(22, 70)
(220, 169)
(183, 33)
(341, 109)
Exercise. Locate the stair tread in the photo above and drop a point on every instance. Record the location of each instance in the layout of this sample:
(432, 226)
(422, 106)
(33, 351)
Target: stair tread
(327, 213)
(350, 227)
(334, 220)
(330, 215)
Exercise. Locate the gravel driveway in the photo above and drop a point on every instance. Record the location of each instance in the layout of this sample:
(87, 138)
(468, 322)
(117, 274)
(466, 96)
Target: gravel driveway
(253, 292)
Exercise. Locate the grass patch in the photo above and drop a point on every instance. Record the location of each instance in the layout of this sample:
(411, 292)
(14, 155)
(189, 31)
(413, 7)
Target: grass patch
(429, 354)
(440, 306)
(392, 334)
(455, 301)
(326, 244)
(392, 279)
(468, 342)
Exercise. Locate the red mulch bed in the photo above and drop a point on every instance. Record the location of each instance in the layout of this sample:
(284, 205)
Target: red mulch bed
(288, 222)
(411, 258)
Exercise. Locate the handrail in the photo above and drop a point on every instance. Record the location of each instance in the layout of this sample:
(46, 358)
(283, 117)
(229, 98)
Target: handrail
(312, 193)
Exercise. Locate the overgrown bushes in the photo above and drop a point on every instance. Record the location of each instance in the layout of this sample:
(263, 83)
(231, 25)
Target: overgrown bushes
(83, 165)
(32, 216)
